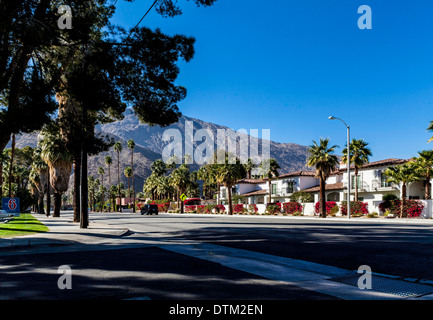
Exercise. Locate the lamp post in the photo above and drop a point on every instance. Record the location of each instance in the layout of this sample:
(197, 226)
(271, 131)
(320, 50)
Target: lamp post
(348, 164)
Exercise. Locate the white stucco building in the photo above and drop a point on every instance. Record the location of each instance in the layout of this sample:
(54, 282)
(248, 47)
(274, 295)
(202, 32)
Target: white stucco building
(372, 186)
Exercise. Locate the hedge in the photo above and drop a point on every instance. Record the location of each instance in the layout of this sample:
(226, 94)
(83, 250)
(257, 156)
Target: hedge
(411, 208)
(356, 207)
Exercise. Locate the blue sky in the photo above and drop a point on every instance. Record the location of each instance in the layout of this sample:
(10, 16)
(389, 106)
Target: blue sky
(288, 65)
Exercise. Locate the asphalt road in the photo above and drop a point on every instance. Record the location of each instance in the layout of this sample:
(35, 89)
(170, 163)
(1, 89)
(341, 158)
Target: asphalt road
(138, 266)
(404, 250)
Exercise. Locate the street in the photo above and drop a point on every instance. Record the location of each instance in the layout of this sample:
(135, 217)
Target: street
(213, 257)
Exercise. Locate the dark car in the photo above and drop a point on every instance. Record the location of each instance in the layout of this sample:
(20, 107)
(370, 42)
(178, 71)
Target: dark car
(149, 209)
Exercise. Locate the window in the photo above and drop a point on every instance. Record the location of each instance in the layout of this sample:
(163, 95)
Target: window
(274, 188)
(383, 181)
(290, 186)
(224, 194)
(358, 181)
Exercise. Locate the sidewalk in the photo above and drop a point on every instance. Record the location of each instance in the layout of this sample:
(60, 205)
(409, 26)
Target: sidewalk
(62, 231)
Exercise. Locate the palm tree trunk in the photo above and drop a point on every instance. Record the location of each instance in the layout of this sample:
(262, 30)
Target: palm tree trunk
(11, 165)
(322, 198)
(118, 179)
(57, 204)
(48, 193)
(77, 169)
(403, 199)
(133, 186)
(270, 191)
(356, 183)
(427, 194)
(229, 196)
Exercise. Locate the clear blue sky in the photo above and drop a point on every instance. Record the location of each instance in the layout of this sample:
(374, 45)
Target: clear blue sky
(288, 65)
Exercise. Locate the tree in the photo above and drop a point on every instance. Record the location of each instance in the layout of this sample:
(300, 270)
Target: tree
(109, 162)
(403, 175)
(249, 166)
(228, 173)
(59, 161)
(118, 148)
(92, 77)
(180, 179)
(131, 145)
(128, 174)
(424, 163)
(359, 154)
(430, 129)
(159, 168)
(322, 158)
(101, 172)
(269, 169)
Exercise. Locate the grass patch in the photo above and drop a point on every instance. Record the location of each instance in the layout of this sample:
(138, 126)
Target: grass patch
(23, 225)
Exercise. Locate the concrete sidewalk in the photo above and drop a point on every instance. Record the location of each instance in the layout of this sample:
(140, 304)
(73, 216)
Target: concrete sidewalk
(63, 231)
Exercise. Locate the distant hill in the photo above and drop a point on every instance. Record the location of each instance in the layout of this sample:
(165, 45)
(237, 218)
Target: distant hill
(149, 147)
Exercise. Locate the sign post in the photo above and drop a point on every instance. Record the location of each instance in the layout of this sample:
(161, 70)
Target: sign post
(11, 205)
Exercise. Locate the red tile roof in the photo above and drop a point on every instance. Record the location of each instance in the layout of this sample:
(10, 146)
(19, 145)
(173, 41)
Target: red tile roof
(333, 186)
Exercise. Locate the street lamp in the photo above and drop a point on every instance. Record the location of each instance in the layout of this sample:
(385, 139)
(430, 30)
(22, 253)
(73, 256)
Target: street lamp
(348, 164)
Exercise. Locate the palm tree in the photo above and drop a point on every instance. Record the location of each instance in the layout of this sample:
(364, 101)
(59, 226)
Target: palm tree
(249, 166)
(430, 128)
(131, 145)
(180, 179)
(269, 169)
(128, 174)
(11, 165)
(109, 162)
(59, 160)
(101, 172)
(403, 174)
(228, 173)
(359, 153)
(424, 163)
(322, 158)
(118, 148)
(159, 168)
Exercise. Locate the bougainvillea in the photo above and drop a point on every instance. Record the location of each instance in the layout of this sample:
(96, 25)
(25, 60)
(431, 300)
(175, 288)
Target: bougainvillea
(220, 208)
(190, 208)
(291, 207)
(329, 206)
(356, 207)
(411, 208)
(238, 208)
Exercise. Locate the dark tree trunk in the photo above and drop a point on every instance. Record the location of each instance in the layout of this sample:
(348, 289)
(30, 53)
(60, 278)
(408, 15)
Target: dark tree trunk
(57, 204)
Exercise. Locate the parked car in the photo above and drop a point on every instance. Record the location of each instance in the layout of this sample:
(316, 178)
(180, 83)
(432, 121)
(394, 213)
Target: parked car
(149, 209)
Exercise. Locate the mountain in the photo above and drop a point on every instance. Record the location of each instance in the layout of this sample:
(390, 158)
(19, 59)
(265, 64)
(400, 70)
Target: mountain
(150, 145)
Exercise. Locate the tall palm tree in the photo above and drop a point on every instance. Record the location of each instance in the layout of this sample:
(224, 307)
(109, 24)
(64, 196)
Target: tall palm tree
(424, 163)
(322, 158)
(101, 172)
(430, 128)
(128, 174)
(159, 168)
(180, 179)
(131, 145)
(228, 173)
(11, 165)
(118, 148)
(403, 174)
(59, 160)
(269, 169)
(359, 155)
(109, 162)
(249, 166)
